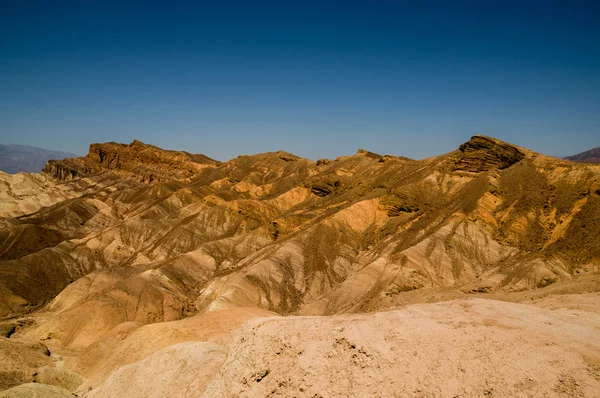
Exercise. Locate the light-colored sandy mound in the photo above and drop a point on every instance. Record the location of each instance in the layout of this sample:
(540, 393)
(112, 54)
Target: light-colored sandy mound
(467, 348)
(129, 343)
(185, 370)
(36, 390)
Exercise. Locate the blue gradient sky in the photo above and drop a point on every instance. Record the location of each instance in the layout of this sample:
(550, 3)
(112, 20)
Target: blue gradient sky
(319, 79)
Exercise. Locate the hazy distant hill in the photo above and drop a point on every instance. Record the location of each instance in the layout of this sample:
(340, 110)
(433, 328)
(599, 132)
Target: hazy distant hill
(591, 156)
(16, 158)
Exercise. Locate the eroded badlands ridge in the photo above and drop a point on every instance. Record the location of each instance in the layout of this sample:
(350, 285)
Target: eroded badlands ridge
(133, 235)
(146, 162)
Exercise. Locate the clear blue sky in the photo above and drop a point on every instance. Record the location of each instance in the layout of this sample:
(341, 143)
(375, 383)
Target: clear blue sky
(318, 79)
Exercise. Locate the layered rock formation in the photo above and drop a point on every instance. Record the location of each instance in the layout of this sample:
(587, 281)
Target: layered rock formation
(485, 153)
(350, 235)
(146, 162)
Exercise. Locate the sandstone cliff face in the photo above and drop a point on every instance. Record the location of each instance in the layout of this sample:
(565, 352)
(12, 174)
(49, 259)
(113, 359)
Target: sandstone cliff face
(60, 170)
(146, 162)
(485, 153)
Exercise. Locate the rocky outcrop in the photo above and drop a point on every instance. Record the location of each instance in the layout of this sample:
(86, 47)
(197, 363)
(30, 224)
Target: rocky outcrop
(60, 170)
(368, 154)
(324, 188)
(482, 153)
(146, 163)
(394, 206)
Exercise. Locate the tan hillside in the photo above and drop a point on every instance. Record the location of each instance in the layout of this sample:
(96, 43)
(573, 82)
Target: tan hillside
(131, 255)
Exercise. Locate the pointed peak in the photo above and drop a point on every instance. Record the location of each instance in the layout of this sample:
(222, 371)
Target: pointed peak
(137, 143)
(483, 141)
(368, 154)
(483, 153)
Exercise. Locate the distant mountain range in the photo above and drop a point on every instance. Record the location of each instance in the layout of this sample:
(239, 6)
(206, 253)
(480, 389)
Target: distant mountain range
(30, 159)
(164, 273)
(591, 156)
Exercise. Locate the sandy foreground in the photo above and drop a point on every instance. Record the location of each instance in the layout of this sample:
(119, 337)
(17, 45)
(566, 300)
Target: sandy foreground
(461, 348)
